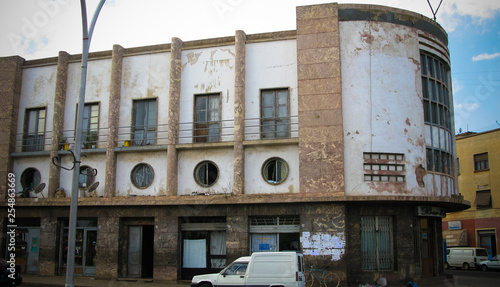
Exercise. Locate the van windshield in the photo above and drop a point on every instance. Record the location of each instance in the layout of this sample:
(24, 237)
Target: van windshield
(481, 252)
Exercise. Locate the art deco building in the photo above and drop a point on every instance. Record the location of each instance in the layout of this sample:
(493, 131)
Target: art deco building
(335, 139)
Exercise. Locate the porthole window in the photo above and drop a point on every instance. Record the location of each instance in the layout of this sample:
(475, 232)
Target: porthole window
(142, 175)
(275, 170)
(30, 178)
(206, 173)
(86, 177)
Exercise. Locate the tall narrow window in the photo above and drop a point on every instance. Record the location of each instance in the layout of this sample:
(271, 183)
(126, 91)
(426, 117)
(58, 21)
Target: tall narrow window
(34, 129)
(376, 243)
(275, 120)
(144, 122)
(481, 162)
(90, 128)
(207, 118)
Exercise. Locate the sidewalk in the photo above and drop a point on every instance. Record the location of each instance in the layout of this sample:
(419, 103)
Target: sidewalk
(56, 281)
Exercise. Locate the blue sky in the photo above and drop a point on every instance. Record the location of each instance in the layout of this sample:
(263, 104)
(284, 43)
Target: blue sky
(36, 29)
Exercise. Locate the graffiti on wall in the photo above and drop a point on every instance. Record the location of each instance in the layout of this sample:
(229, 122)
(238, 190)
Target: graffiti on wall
(326, 244)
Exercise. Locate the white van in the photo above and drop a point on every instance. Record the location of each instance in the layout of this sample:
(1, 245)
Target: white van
(274, 269)
(465, 257)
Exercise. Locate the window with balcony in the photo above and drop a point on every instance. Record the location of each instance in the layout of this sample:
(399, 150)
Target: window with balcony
(34, 129)
(275, 114)
(90, 126)
(481, 162)
(207, 118)
(144, 122)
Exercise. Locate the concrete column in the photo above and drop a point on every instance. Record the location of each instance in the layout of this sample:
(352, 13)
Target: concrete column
(237, 237)
(321, 142)
(58, 119)
(173, 114)
(11, 74)
(107, 247)
(48, 247)
(239, 114)
(166, 238)
(113, 120)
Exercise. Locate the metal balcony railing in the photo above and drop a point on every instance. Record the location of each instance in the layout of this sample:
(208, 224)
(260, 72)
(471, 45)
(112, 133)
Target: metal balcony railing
(189, 132)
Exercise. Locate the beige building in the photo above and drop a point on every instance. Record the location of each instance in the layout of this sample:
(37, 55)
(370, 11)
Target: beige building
(479, 182)
(335, 139)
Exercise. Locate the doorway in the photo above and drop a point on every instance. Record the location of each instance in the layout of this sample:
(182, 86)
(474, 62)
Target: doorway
(487, 240)
(140, 251)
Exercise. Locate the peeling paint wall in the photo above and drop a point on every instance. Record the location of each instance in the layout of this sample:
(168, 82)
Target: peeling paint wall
(96, 91)
(37, 91)
(145, 77)
(255, 158)
(269, 65)
(39, 163)
(188, 160)
(382, 102)
(127, 162)
(207, 71)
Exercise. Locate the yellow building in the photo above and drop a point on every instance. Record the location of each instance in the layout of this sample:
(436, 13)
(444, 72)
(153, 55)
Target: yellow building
(478, 158)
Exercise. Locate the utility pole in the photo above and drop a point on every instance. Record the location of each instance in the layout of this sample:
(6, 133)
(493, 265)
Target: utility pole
(73, 213)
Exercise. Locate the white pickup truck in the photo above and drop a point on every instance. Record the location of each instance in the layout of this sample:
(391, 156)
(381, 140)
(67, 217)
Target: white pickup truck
(274, 269)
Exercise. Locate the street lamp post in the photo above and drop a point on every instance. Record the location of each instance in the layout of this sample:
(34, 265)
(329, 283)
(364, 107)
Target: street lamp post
(73, 216)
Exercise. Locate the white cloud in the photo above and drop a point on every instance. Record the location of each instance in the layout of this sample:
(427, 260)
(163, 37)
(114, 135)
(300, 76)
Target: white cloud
(457, 87)
(485, 56)
(470, 107)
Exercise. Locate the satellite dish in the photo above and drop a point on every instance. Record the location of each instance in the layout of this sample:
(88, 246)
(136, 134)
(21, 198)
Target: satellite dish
(39, 188)
(93, 186)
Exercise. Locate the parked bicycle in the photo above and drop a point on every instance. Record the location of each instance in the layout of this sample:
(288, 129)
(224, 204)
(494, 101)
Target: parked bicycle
(322, 277)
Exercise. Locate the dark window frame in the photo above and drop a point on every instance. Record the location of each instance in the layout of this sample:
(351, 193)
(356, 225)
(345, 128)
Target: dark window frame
(274, 125)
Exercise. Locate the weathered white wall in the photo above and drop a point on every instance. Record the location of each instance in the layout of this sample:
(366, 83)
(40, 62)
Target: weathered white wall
(255, 156)
(126, 163)
(269, 65)
(382, 102)
(187, 161)
(37, 91)
(42, 164)
(96, 91)
(207, 71)
(145, 77)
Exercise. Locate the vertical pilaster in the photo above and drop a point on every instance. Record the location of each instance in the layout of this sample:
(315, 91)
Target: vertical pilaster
(321, 151)
(113, 119)
(58, 119)
(166, 238)
(173, 114)
(237, 237)
(48, 246)
(11, 74)
(107, 247)
(239, 113)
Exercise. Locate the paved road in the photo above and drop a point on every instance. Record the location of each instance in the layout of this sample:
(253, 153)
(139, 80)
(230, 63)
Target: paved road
(475, 278)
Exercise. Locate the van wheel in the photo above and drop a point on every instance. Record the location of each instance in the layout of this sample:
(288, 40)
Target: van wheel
(484, 267)
(466, 266)
(205, 284)
(446, 265)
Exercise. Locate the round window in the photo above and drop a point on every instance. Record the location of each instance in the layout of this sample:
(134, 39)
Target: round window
(30, 178)
(86, 177)
(206, 173)
(142, 175)
(275, 170)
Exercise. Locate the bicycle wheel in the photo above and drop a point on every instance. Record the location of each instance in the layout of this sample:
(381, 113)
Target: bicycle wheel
(331, 280)
(309, 280)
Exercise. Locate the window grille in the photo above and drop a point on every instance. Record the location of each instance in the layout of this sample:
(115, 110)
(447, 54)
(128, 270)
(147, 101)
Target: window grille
(377, 243)
(385, 167)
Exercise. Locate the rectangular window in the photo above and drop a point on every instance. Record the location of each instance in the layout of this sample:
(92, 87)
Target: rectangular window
(144, 122)
(90, 128)
(386, 167)
(481, 162)
(34, 129)
(483, 199)
(275, 120)
(207, 118)
(377, 243)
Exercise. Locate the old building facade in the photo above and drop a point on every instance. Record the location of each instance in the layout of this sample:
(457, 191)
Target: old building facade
(479, 163)
(335, 139)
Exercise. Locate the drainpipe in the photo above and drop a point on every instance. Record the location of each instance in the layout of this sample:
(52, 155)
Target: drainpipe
(73, 217)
